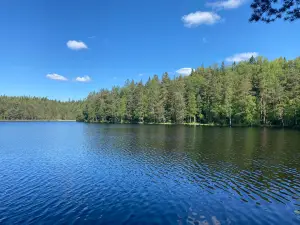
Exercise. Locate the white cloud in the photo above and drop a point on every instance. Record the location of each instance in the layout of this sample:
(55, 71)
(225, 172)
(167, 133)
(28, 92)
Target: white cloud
(140, 75)
(83, 79)
(92, 37)
(241, 57)
(226, 4)
(197, 18)
(54, 76)
(185, 71)
(76, 45)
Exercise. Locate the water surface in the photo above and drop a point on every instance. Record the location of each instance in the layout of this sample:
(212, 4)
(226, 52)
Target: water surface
(74, 173)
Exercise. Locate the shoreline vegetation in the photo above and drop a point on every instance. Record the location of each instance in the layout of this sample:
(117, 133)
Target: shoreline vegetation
(253, 93)
(38, 121)
(186, 124)
(25, 108)
(201, 124)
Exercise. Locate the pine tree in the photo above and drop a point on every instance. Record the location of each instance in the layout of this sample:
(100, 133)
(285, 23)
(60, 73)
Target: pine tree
(191, 107)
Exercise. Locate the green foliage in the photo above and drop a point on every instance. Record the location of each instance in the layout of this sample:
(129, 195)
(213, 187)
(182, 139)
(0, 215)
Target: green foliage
(191, 106)
(257, 92)
(33, 108)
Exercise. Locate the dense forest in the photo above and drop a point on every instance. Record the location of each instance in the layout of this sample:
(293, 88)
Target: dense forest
(33, 108)
(255, 92)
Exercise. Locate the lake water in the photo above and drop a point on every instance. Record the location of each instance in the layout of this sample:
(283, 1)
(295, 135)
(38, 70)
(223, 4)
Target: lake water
(75, 173)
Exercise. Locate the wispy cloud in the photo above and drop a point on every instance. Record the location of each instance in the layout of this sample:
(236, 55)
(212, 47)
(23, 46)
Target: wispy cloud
(226, 4)
(198, 18)
(76, 45)
(241, 57)
(204, 40)
(185, 71)
(83, 79)
(54, 76)
(140, 75)
(92, 37)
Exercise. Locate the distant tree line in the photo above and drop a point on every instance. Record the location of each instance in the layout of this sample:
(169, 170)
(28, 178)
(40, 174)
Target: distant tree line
(33, 108)
(256, 92)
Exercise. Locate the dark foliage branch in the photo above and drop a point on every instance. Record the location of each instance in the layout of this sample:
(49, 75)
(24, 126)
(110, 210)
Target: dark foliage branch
(270, 10)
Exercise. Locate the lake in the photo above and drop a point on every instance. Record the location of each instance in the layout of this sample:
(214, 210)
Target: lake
(75, 173)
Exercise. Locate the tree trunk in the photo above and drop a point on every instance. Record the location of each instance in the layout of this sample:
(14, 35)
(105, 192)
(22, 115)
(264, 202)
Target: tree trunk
(264, 114)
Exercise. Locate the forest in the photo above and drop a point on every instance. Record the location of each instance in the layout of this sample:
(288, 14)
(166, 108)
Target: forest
(257, 92)
(34, 108)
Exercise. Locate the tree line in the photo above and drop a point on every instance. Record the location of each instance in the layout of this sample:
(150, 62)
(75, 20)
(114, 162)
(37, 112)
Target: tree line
(255, 92)
(34, 108)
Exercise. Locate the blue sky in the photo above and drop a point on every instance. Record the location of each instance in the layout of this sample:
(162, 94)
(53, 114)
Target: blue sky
(46, 45)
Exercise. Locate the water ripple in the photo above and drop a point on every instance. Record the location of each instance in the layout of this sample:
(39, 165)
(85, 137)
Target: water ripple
(127, 174)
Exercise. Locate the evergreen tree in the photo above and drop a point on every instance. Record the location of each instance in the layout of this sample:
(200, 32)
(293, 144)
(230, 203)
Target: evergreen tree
(253, 92)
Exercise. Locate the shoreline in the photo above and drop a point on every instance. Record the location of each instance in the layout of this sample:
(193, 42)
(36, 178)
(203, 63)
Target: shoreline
(203, 125)
(38, 121)
(172, 124)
